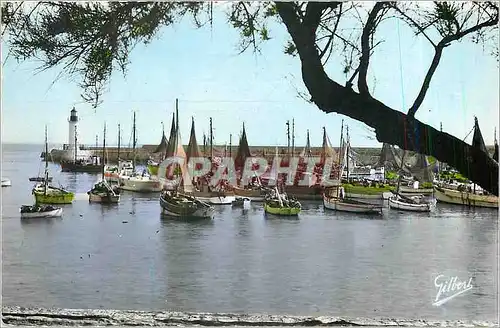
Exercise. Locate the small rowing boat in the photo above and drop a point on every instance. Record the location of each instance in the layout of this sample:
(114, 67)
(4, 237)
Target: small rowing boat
(40, 211)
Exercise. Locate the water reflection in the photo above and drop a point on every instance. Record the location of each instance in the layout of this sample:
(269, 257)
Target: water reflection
(36, 222)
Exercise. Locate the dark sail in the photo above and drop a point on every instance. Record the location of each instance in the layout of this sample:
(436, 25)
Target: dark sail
(172, 142)
(243, 150)
(162, 147)
(193, 150)
(388, 158)
(422, 170)
(327, 150)
(495, 154)
(477, 139)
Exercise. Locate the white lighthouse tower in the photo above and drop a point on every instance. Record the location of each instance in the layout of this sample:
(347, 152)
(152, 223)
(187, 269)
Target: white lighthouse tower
(72, 134)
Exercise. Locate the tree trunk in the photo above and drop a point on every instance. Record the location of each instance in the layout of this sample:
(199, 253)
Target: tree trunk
(391, 126)
(396, 128)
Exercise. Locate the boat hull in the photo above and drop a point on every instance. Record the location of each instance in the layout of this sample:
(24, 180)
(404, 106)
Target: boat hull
(73, 167)
(399, 205)
(283, 211)
(413, 191)
(52, 196)
(381, 196)
(338, 204)
(48, 214)
(104, 198)
(191, 211)
(465, 198)
(40, 179)
(6, 183)
(139, 185)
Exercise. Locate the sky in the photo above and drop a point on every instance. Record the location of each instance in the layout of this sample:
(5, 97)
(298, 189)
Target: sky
(202, 68)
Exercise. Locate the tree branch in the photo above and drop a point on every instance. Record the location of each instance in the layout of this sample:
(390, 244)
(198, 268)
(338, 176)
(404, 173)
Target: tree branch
(414, 24)
(437, 57)
(364, 61)
(427, 80)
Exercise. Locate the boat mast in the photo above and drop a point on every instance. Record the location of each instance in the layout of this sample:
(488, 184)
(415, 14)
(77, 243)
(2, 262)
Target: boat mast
(230, 145)
(163, 135)
(103, 150)
(133, 144)
(46, 180)
(288, 137)
(340, 154)
(347, 152)
(211, 141)
(119, 140)
(293, 136)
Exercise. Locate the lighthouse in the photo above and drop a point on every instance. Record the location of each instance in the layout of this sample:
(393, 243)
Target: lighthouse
(72, 136)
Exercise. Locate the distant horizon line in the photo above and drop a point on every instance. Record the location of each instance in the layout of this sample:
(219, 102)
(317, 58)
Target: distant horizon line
(215, 145)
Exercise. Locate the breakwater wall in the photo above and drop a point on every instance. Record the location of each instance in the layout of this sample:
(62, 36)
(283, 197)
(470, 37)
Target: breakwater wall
(369, 155)
(74, 317)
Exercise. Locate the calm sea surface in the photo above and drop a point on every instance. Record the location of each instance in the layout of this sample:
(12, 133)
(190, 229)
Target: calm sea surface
(324, 263)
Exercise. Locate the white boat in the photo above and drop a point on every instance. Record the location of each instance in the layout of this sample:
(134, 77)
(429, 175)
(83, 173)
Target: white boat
(133, 181)
(139, 183)
(6, 182)
(409, 204)
(40, 211)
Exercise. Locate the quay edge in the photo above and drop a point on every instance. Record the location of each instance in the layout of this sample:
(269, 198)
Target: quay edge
(15, 316)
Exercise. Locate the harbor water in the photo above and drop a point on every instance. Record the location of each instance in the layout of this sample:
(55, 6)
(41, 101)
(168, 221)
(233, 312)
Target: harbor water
(129, 257)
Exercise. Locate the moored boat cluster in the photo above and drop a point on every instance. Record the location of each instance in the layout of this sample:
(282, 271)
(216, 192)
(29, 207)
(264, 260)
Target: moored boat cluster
(190, 185)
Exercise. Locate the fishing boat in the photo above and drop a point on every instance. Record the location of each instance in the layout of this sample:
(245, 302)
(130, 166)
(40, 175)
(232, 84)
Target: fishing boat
(412, 204)
(343, 204)
(40, 179)
(47, 194)
(471, 196)
(112, 172)
(40, 211)
(334, 198)
(6, 182)
(416, 203)
(241, 202)
(220, 194)
(134, 181)
(465, 197)
(86, 165)
(102, 192)
(279, 204)
(177, 204)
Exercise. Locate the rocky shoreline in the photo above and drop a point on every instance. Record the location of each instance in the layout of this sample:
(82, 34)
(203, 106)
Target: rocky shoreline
(15, 316)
